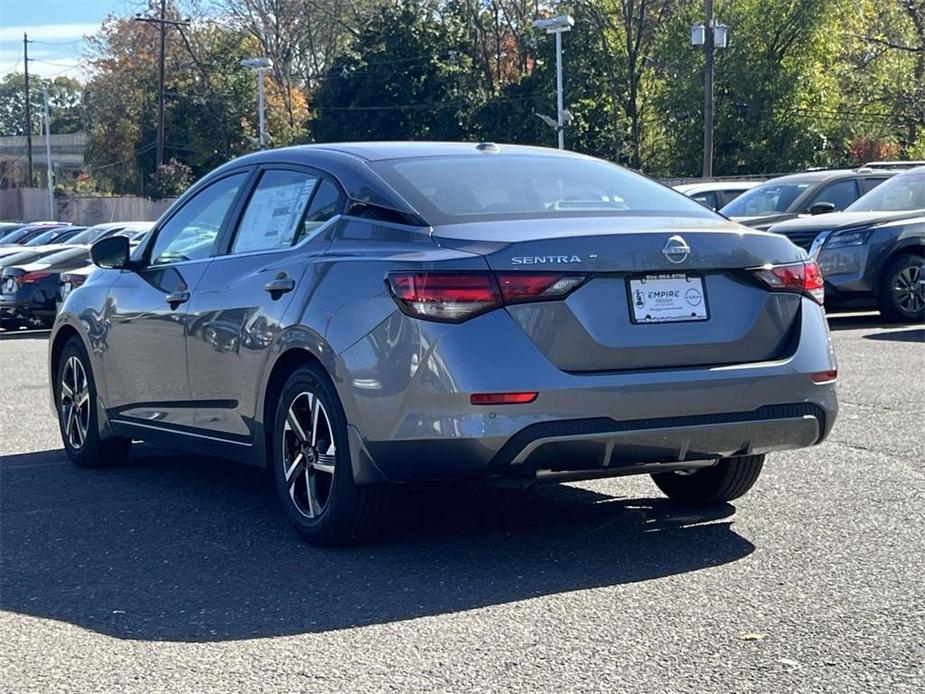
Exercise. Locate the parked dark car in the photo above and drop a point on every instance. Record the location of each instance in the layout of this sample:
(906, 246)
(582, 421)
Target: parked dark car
(7, 228)
(28, 232)
(358, 315)
(59, 235)
(813, 192)
(29, 293)
(872, 254)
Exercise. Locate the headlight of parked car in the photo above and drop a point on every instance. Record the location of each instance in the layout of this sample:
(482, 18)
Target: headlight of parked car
(844, 239)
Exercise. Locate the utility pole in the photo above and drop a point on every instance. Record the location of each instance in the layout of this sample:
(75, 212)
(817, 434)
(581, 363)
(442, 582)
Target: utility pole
(162, 23)
(709, 49)
(711, 36)
(28, 124)
(50, 171)
(160, 89)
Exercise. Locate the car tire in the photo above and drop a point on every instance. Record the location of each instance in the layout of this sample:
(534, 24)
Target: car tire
(729, 479)
(9, 324)
(76, 405)
(311, 463)
(902, 294)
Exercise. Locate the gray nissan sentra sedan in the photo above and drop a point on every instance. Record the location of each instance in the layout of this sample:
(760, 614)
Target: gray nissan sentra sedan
(359, 315)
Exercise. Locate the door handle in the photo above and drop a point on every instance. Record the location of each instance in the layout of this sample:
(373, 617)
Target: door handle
(279, 286)
(177, 298)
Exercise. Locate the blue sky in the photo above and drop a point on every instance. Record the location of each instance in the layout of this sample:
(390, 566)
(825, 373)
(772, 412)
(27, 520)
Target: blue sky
(56, 26)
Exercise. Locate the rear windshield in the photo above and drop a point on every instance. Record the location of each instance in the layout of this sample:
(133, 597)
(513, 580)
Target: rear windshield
(447, 190)
(67, 255)
(767, 198)
(903, 193)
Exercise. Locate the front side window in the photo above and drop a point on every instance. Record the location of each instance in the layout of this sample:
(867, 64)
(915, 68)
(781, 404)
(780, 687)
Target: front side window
(275, 211)
(191, 232)
(840, 194)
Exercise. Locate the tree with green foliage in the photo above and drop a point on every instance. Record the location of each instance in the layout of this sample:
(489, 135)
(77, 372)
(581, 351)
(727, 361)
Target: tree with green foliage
(408, 77)
(65, 105)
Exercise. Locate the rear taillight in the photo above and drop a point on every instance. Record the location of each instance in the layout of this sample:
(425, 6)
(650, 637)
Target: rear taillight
(803, 278)
(450, 297)
(33, 277)
(456, 296)
(522, 286)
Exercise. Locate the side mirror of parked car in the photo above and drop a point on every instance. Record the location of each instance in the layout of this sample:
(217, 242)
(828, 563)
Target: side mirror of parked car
(111, 253)
(822, 208)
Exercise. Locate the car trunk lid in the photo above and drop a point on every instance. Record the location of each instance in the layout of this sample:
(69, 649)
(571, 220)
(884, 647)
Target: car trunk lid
(726, 316)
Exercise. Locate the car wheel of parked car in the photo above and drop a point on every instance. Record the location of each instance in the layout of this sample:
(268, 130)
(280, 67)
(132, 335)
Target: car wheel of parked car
(902, 294)
(311, 463)
(729, 479)
(9, 323)
(75, 393)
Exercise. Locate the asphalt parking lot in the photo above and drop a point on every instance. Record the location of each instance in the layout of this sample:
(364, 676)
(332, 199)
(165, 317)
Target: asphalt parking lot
(177, 573)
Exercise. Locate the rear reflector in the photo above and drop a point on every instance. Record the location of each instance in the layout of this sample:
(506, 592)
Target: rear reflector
(502, 398)
(804, 278)
(824, 376)
(456, 296)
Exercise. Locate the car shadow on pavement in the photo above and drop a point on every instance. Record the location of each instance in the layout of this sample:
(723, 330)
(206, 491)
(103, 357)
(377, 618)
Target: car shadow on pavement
(911, 335)
(180, 548)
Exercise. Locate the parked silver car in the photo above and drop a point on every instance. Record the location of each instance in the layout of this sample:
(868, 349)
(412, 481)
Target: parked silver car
(361, 315)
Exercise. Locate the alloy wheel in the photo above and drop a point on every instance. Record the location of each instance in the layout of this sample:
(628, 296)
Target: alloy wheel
(909, 289)
(74, 395)
(309, 454)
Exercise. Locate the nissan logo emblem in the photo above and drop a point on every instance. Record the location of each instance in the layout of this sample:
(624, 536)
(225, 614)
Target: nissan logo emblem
(676, 249)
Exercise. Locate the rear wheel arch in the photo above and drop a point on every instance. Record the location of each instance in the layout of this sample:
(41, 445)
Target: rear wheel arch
(284, 366)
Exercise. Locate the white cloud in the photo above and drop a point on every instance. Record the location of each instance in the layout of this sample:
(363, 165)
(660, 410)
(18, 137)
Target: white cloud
(48, 32)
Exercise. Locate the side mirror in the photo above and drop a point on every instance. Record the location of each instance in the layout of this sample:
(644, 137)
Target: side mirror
(822, 208)
(111, 253)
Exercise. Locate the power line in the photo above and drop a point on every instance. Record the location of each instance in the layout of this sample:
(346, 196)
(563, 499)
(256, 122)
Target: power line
(56, 43)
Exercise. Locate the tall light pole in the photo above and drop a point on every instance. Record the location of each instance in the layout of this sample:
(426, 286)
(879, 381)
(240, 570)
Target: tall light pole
(50, 171)
(556, 26)
(261, 66)
(711, 36)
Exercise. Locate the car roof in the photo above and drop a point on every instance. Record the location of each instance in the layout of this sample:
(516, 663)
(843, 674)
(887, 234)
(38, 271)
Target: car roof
(379, 151)
(829, 174)
(693, 188)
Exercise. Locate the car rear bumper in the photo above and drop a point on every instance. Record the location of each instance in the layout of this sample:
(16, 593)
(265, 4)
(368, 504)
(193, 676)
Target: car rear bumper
(413, 420)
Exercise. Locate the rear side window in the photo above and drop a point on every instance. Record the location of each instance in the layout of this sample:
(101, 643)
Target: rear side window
(868, 184)
(275, 211)
(840, 194)
(325, 204)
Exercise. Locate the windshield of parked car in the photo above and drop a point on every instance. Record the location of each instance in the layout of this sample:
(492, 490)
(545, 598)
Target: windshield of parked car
(902, 193)
(768, 198)
(93, 234)
(19, 235)
(448, 190)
